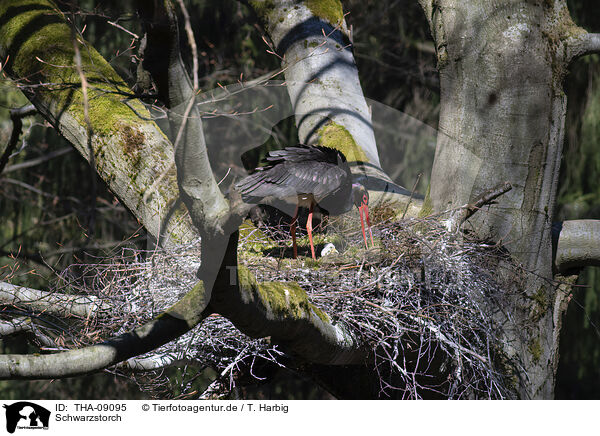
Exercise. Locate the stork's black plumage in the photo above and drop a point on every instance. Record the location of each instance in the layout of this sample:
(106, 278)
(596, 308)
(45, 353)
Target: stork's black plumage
(305, 176)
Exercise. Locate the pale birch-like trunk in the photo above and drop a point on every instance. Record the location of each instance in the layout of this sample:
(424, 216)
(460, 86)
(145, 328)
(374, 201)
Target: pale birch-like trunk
(314, 43)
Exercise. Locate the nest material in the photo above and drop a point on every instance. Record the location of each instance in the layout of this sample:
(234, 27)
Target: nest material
(424, 301)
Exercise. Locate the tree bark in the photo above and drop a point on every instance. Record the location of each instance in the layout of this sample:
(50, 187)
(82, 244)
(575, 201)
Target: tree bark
(501, 68)
(314, 44)
(128, 149)
(63, 305)
(578, 245)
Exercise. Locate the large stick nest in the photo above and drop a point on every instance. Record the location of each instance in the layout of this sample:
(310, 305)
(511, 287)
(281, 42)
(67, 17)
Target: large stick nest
(428, 302)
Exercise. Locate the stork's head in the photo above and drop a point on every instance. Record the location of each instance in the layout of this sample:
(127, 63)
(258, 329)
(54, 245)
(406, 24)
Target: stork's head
(360, 195)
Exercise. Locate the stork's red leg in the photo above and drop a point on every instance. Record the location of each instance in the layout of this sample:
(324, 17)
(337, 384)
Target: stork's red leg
(293, 232)
(369, 226)
(309, 230)
(362, 223)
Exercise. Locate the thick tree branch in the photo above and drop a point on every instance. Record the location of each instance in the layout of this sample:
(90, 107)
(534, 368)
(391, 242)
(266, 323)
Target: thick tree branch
(199, 190)
(25, 325)
(313, 42)
(282, 311)
(174, 322)
(127, 147)
(15, 325)
(197, 185)
(582, 45)
(58, 304)
(578, 244)
(154, 362)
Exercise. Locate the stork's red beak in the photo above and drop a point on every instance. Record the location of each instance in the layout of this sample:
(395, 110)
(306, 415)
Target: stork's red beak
(364, 208)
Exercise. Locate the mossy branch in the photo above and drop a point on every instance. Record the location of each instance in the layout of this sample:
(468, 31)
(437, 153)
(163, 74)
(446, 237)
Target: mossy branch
(281, 311)
(314, 44)
(128, 149)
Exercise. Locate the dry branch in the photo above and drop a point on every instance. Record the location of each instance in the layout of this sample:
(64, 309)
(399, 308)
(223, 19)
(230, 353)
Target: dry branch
(58, 304)
(16, 115)
(465, 212)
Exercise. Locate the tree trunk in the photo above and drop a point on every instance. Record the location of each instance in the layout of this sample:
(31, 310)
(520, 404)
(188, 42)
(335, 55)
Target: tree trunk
(501, 68)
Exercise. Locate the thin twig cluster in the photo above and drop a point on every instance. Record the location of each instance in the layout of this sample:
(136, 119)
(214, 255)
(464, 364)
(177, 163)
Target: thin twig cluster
(424, 301)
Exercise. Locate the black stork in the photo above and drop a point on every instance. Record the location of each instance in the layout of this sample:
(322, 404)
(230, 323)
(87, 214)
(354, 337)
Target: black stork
(307, 176)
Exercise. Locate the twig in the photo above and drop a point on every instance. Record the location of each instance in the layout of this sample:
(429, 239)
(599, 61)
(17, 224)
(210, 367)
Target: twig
(118, 26)
(215, 391)
(37, 161)
(412, 192)
(191, 42)
(16, 115)
(465, 212)
(86, 114)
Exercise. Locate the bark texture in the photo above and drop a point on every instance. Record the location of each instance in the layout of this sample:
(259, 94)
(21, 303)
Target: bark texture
(578, 245)
(314, 44)
(501, 68)
(126, 147)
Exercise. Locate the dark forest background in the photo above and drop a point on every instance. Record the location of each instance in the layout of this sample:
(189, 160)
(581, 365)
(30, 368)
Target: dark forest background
(55, 213)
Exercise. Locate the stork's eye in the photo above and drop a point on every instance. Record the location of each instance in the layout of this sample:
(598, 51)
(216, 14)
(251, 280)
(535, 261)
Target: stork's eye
(365, 199)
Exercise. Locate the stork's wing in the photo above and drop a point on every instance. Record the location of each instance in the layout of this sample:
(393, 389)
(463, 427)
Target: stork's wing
(297, 170)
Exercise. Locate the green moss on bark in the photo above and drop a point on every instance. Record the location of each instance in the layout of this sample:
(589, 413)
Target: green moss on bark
(535, 348)
(328, 10)
(263, 8)
(336, 136)
(39, 45)
(427, 208)
(281, 299)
